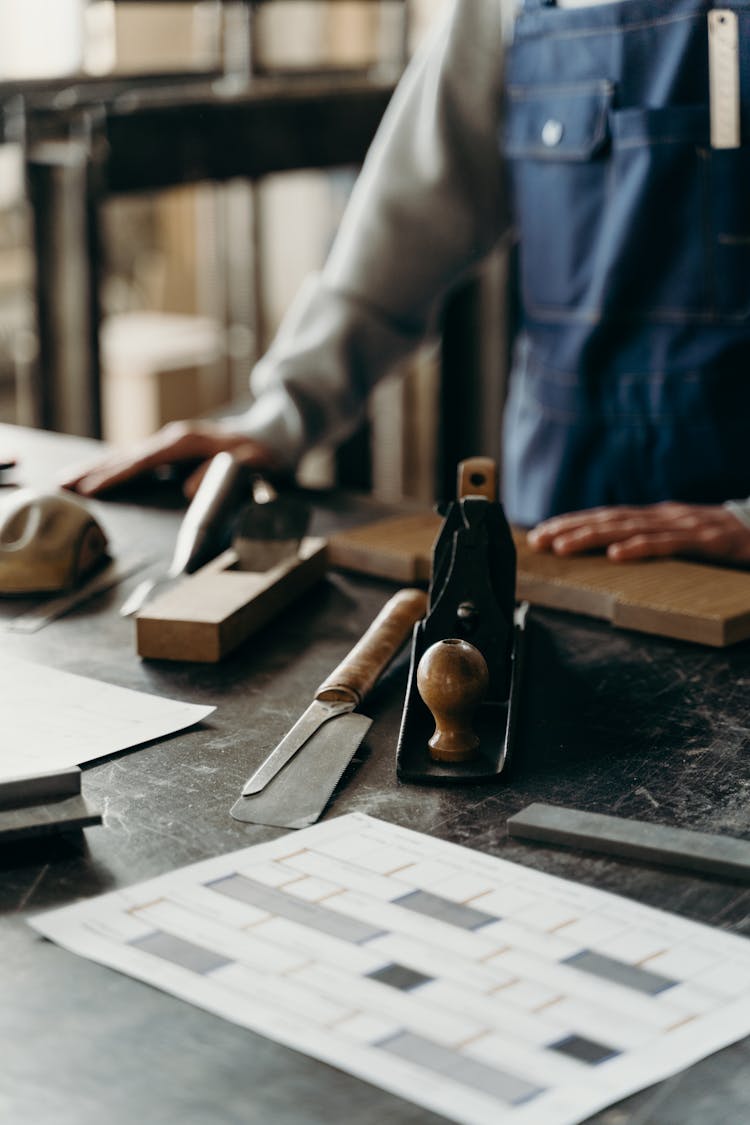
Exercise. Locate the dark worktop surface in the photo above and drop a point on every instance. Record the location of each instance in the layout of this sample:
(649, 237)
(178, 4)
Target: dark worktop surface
(612, 722)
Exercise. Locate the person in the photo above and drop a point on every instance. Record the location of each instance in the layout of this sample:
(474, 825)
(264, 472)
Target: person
(583, 130)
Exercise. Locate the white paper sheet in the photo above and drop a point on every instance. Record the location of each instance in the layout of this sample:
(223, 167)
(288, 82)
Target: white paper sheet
(52, 719)
(478, 988)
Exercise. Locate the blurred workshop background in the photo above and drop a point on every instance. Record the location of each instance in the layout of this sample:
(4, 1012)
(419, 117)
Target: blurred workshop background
(169, 173)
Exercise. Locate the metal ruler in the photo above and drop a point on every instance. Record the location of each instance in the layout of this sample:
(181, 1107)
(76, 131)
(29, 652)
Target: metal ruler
(724, 78)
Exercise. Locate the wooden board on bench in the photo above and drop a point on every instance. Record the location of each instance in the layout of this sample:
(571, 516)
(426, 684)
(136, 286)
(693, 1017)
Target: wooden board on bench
(669, 597)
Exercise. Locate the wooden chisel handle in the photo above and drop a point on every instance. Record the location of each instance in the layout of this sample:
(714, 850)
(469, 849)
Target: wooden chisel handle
(360, 669)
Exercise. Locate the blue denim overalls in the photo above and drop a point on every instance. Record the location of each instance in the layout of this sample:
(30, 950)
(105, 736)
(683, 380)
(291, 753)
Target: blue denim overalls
(631, 380)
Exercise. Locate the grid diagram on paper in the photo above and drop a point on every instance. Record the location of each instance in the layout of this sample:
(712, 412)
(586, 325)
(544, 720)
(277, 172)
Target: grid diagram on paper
(478, 987)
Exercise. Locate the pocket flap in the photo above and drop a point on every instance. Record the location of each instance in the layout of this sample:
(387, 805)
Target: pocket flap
(557, 122)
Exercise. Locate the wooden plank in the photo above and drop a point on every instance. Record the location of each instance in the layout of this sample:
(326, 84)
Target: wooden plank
(669, 597)
(214, 610)
(634, 839)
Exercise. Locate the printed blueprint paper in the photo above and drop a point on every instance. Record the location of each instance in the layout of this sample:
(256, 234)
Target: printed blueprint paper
(477, 988)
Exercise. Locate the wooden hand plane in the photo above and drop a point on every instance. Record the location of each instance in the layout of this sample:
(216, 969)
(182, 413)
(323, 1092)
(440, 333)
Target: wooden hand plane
(471, 606)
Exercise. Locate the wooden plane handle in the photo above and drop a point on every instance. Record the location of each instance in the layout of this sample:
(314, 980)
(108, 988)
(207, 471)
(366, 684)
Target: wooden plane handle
(477, 476)
(360, 669)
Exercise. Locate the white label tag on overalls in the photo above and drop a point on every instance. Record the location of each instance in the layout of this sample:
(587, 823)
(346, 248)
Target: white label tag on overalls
(724, 78)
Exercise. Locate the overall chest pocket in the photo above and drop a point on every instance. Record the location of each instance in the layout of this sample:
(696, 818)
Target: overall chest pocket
(683, 208)
(557, 141)
(661, 187)
(626, 214)
(729, 190)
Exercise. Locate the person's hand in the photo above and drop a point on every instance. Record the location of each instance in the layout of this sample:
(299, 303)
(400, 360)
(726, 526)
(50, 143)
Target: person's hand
(176, 443)
(704, 530)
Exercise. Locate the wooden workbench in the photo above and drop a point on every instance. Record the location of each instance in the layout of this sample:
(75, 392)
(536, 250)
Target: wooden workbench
(612, 722)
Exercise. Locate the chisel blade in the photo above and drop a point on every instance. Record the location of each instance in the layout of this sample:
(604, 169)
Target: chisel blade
(317, 713)
(291, 787)
(296, 796)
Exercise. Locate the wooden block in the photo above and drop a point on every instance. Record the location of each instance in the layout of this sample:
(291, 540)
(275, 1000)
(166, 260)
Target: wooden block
(635, 839)
(669, 597)
(157, 367)
(214, 610)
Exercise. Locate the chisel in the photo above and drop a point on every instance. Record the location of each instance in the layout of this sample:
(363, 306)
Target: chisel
(329, 728)
(225, 484)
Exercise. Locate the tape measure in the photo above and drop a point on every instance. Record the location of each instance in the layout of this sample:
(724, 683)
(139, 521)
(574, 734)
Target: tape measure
(724, 78)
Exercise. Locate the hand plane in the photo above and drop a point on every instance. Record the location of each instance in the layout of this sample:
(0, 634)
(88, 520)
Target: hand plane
(462, 695)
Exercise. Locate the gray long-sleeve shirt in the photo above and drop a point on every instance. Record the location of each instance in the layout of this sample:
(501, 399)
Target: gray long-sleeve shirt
(428, 204)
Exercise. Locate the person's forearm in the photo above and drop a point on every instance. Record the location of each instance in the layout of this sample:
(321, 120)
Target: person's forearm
(428, 204)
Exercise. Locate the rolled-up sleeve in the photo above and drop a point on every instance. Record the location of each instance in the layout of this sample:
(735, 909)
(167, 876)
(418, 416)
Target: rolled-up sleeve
(428, 204)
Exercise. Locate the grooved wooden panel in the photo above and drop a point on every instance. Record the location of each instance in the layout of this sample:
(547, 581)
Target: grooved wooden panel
(399, 548)
(690, 601)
